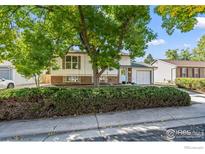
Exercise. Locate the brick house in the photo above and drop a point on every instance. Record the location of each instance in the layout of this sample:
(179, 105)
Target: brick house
(169, 70)
(75, 68)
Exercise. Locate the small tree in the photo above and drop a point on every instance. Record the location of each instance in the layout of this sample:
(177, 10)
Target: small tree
(33, 55)
(149, 59)
(185, 54)
(172, 54)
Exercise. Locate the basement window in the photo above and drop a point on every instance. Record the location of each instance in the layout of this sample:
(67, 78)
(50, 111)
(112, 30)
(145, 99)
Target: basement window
(72, 79)
(103, 79)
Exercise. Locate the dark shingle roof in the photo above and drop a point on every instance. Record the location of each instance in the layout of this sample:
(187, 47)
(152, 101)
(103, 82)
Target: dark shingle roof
(186, 63)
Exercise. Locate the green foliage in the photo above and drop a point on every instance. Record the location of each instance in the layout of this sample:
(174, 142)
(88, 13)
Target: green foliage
(175, 54)
(172, 54)
(30, 103)
(149, 59)
(34, 53)
(184, 19)
(101, 31)
(179, 17)
(199, 51)
(191, 83)
(185, 54)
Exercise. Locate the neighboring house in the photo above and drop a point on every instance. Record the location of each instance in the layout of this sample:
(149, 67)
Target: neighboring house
(8, 72)
(75, 68)
(169, 70)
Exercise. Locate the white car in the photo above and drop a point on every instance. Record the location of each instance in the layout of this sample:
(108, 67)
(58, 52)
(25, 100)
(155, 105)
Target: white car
(6, 83)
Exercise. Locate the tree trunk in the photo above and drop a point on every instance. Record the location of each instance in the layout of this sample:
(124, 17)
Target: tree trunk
(95, 76)
(37, 80)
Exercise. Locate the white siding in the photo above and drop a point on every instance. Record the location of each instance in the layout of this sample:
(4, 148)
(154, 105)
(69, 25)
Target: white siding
(16, 77)
(86, 67)
(125, 60)
(21, 80)
(164, 72)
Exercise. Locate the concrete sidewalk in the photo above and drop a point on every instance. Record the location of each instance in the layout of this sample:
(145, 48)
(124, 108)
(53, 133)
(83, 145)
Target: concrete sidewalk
(195, 112)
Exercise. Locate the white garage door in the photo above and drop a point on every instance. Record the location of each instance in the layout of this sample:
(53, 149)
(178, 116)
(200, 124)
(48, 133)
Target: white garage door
(143, 77)
(5, 73)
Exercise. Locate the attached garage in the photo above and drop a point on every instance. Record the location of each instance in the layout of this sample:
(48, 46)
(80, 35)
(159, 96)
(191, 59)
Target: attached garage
(143, 77)
(6, 73)
(138, 73)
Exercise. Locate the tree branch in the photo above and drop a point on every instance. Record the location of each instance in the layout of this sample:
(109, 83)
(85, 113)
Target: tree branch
(83, 34)
(44, 7)
(101, 72)
(123, 31)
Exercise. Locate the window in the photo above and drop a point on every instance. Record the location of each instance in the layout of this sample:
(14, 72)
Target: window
(196, 72)
(103, 79)
(184, 72)
(72, 62)
(71, 79)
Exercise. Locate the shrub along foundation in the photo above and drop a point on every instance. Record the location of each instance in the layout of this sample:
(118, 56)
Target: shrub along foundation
(29, 103)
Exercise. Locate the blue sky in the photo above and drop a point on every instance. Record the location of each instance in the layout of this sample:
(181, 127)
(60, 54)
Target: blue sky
(177, 40)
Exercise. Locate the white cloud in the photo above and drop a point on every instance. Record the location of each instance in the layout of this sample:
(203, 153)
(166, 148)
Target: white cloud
(201, 22)
(157, 42)
(187, 45)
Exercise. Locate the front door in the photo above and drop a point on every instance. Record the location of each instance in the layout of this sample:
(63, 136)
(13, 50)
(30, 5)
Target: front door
(129, 74)
(123, 75)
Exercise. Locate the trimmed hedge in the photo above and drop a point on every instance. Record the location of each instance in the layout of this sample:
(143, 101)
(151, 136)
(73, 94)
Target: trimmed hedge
(31, 103)
(191, 83)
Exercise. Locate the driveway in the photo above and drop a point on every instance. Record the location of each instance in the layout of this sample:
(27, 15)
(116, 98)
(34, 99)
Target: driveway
(136, 125)
(197, 97)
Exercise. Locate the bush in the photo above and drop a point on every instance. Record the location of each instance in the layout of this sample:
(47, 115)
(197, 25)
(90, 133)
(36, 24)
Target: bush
(191, 83)
(30, 103)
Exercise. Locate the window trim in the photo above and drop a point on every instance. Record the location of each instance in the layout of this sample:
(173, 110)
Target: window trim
(71, 62)
(186, 72)
(198, 72)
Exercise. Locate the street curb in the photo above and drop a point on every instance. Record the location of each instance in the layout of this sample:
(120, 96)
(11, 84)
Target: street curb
(50, 133)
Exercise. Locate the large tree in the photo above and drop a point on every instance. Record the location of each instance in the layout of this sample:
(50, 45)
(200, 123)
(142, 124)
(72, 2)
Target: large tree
(101, 31)
(182, 17)
(199, 51)
(149, 59)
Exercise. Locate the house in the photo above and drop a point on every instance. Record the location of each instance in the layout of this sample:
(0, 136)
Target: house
(8, 72)
(169, 70)
(75, 68)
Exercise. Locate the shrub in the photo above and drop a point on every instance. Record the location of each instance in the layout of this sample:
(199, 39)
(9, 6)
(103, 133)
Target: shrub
(191, 83)
(48, 102)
